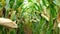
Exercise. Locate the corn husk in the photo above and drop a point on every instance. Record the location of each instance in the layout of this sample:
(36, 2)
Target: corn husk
(8, 23)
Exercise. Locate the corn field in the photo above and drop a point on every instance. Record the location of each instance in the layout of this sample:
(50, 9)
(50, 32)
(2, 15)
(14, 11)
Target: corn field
(30, 16)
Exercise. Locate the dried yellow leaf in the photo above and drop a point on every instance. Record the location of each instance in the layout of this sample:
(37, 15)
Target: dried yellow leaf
(8, 23)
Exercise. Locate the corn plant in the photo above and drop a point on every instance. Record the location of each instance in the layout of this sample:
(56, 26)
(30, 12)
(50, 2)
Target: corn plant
(31, 16)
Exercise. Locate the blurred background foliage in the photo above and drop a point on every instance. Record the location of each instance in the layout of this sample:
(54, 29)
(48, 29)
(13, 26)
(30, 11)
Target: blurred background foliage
(32, 16)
